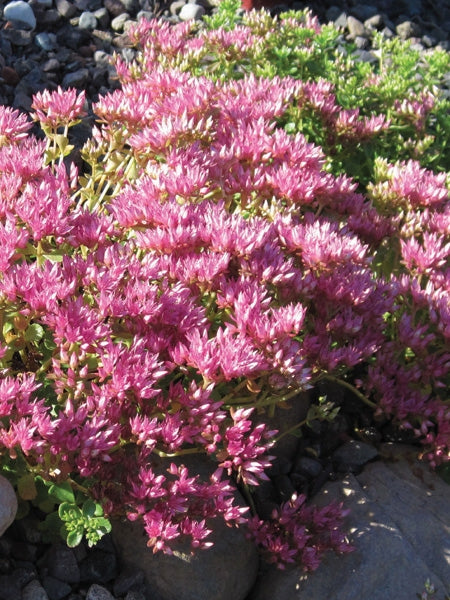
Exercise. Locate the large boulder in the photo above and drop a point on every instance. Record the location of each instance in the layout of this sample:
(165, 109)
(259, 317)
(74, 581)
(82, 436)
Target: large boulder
(225, 571)
(8, 504)
(400, 527)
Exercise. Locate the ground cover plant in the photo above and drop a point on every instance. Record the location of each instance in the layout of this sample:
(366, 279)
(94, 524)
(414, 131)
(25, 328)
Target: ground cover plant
(255, 212)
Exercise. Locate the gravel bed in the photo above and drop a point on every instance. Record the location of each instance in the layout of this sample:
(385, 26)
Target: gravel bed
(57, 42)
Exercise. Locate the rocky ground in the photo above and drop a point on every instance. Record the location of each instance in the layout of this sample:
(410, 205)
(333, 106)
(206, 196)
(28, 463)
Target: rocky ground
(46, 43)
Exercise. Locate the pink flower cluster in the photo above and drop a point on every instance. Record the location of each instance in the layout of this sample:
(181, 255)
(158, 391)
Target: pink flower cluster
(208, 260)
(300, 533)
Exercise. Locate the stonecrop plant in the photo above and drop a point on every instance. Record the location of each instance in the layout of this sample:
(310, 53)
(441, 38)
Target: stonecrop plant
(209, 260)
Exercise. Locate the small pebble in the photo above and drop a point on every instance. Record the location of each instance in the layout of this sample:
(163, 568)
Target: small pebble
(87, 21)
(46, 41)
(191, 11)
(98, 592)
(20, 14)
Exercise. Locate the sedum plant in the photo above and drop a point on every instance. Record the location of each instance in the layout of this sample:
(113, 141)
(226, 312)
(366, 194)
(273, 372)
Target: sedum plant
(207, 263)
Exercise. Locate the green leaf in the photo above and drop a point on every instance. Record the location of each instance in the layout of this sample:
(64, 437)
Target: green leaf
(54, 257)
(51, 527)
(26, 487)
(62, 492)
(103, 525)
(46, 506)
(7, 327)
(69, 512)
(34, 333)
(74, 538)
(89, 508)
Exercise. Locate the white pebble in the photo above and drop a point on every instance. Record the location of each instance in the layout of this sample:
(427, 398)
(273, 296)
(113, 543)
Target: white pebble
(20, 13)
(191, 11)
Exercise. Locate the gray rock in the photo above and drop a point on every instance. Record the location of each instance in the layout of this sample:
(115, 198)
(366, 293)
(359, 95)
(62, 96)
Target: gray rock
(365, 56)
(98, 566)
(44, 3)
(98, 592)
(21, 14)
(87, 21)
(400, 528)
(341, 20)
(114, 7)
(8, 504)
(191, 11)
(131, 6)
(127, 579)
(77, 79)
(52, 64)
(18, 37)
(176, 6)
(225, 571)
(102, 16)
(62, 564)
(56, 589)
(308, 466)
(8, 588)
(46, 41)
(407, 30)
(375, 22)
(355, 27)
(361, 42)
(24, 574)
(354, 452)
(22, 101)
(388, 33)
(135, 595)
(65, 8)
(145, 14)
(34, 591)
(118, 23)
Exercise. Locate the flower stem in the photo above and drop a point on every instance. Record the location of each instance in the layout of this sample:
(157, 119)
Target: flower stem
(350, 387)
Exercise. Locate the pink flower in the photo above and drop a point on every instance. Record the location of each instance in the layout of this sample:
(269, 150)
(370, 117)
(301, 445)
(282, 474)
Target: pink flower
(58, 108)
(13, 126)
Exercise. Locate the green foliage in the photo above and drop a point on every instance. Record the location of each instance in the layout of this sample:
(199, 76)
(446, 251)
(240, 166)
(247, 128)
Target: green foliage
(85, 520)
(391, 84)
(227, 15)
(70, 515)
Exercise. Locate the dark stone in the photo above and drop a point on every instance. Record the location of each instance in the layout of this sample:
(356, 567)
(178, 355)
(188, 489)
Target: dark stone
(98, 566)
(62, 564)
(18, 37)
(114, 7)
(24, 551)
(354, 453)
(72, 37)
(65, 9)
(98, 592)
(77, 79)
(24, 575)
(9, 589)
(128, 579)
(10, 76)
(56, 589)
(5, 566)
(308, 466)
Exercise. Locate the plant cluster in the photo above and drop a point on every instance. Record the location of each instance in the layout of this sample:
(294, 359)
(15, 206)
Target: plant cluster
(211, 260)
